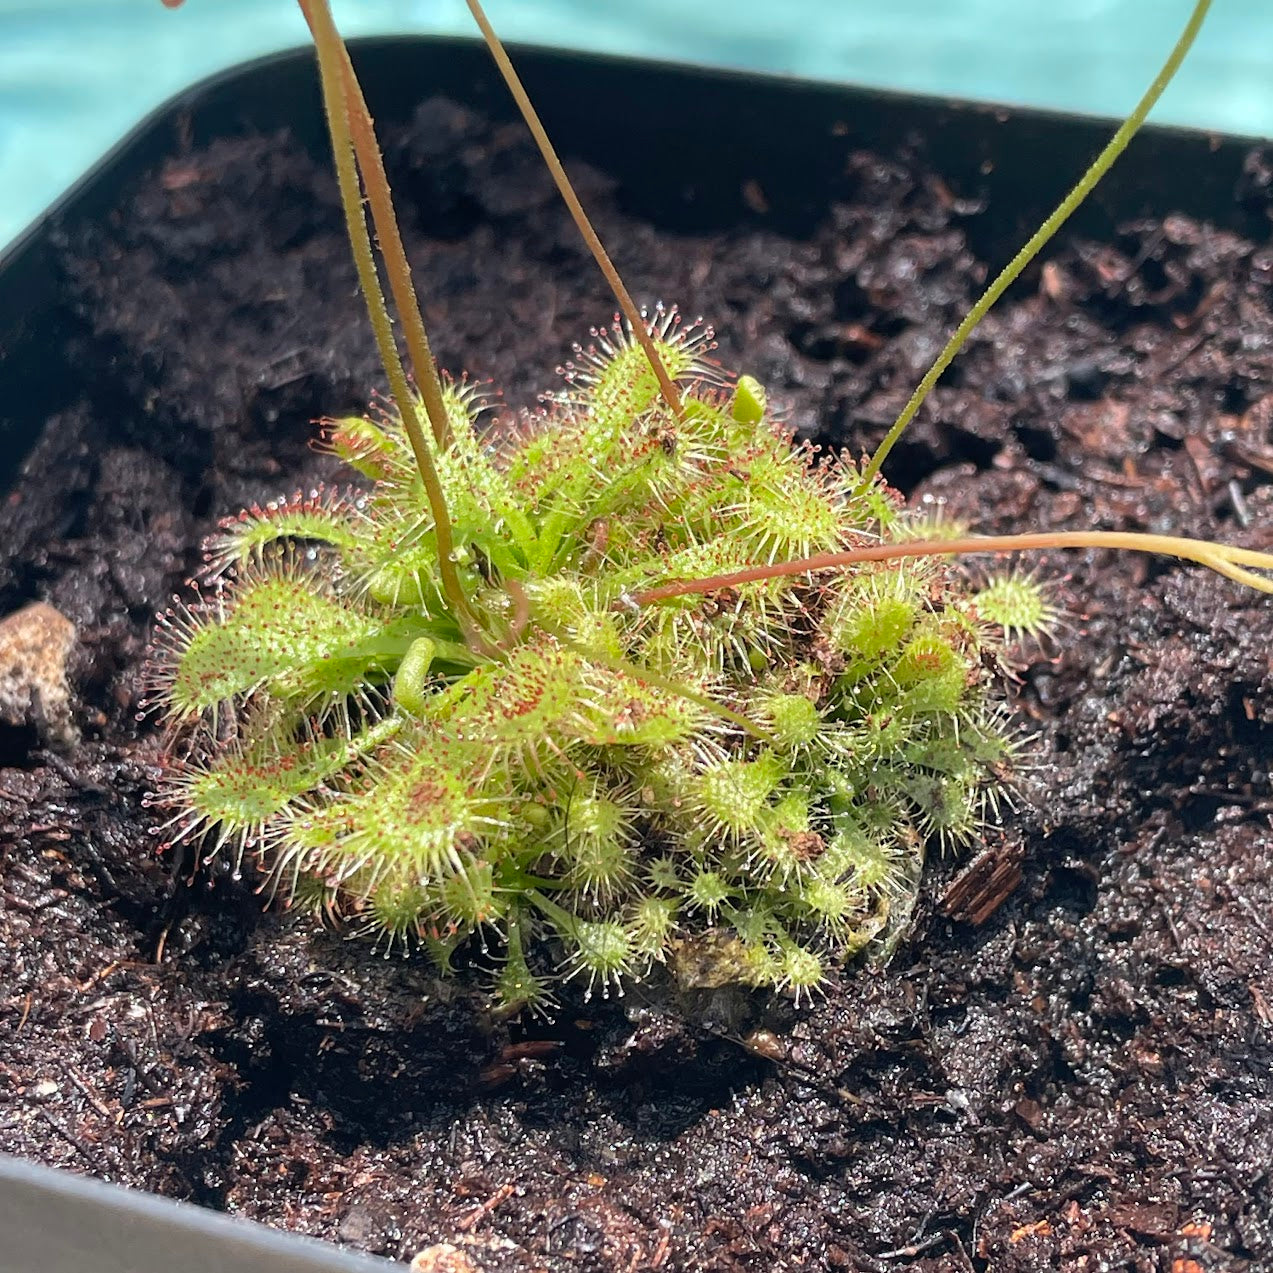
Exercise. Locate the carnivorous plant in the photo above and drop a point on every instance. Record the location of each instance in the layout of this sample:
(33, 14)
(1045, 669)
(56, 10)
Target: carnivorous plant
(641, 682)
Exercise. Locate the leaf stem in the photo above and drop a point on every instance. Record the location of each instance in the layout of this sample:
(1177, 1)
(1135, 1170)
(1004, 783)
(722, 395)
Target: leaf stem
(665, 683)
(1223, 558)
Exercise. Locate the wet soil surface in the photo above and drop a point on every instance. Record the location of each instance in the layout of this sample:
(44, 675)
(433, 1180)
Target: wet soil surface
(1079, 1080)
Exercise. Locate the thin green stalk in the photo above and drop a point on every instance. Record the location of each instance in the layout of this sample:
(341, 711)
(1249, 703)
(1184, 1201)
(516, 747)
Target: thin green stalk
(667, 386)
(1100, 166)
(379, 196)
(332, 63)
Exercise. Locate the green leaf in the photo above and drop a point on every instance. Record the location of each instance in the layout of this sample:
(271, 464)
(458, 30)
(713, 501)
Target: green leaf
(283, 633)
(322, 516)
(242, 789)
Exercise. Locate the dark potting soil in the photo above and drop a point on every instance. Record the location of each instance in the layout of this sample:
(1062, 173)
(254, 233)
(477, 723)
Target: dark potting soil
(1070, 1073)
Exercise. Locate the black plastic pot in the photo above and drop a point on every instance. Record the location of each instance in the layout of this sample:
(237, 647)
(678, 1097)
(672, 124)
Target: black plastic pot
(765, 150)
(54, 1222)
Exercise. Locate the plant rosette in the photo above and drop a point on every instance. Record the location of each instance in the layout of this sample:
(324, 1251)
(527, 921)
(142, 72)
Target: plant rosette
(761, 765)
(639, 677)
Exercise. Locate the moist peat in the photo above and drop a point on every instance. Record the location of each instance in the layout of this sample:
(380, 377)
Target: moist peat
(1067, 1065)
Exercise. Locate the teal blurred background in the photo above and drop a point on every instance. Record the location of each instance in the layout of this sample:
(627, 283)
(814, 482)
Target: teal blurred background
(76, 74)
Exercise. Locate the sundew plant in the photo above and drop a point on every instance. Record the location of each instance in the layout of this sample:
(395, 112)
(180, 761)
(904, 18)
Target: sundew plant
(641, 682)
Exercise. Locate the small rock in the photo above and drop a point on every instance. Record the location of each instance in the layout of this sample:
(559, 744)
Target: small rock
(35, 643)
(442, 1257)
(365, 1227)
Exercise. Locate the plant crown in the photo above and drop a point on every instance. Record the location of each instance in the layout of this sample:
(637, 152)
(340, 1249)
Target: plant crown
(765, 761)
